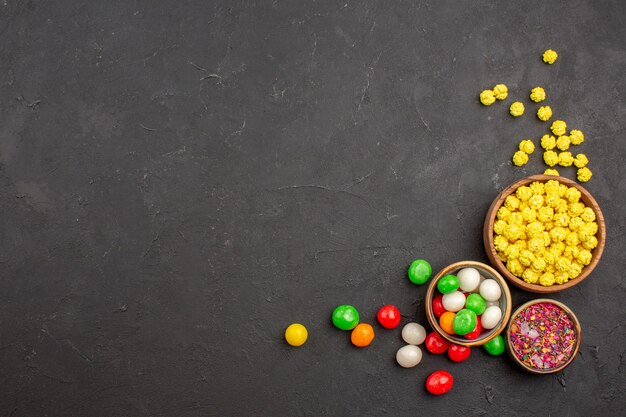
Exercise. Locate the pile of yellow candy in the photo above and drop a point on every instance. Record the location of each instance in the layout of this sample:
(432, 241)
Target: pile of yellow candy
(544, 233)
(559, 128)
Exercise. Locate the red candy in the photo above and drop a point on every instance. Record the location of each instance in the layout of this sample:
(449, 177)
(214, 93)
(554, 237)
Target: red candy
(439, 382)
(438, 308)
(458, 353)
(436, 344)
(389, 316)
(476, 332)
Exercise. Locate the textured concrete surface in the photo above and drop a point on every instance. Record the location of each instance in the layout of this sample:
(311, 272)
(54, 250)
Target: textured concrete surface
(181, 180)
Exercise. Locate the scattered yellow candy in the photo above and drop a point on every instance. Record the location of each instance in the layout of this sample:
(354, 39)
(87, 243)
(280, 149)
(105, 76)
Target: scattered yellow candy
(577, 137)
(544, 113)
(566, 159)
(550, 171)
(551, 158)
(538, 241)
(550, 56)
(487, 97)
(296, 334)
(527, 146)
(537, 94)
(563, 142)
(548, 142)
(520, 158)
(584, 174)
(517, 109)
(558, 127)
(581, 160)
(500, 91)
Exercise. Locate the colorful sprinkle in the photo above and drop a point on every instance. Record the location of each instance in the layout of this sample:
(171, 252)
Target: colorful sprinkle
(543, 336)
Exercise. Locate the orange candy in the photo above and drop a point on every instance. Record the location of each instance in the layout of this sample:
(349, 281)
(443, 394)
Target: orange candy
(362, 335)
(445, 321)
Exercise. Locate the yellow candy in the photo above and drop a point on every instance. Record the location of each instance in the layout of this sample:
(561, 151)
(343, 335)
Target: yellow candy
(575, 223)
(536, 245)
(512, 252)
(544, 113)
(537, 188)
(296, 334)
(550, 171)
(574, 270)
(530, 276)
(561, 219)
(534, 229)
(523, 193)
(563, 142)
(503, 213)
(517, 109)
(573, 195)
(526, 257)
(566, 159)
(591, 242)
(551, 158)
(584, 257)
(588, 215)
(548, 225)
(562, 264)
(576, 209)
(577, 137)
(501, 243)
(545, 214)
(558, 127)
(513, 232)
(550, 56)
(562, 189)
(520, 158)
(548, 142)
(551, 186)
(561, 277)
(515, 218)
(572, 239)
(500, 91)
(561, 206)
(515, 267)
(581, 160)
(527, 146)
(547, 279)
(499, 226)
(584, 174)
(529, 215)
(537, 94)
(549, 257)
(487, 97)
(536, 201)
(511, 202)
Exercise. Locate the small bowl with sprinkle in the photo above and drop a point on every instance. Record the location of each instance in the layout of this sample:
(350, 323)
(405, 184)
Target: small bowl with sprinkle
(544, 233)
(543, 336)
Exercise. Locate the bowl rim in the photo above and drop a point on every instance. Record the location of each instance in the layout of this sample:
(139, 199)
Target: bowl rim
(506, 293)
(492, 254)
(579, 336)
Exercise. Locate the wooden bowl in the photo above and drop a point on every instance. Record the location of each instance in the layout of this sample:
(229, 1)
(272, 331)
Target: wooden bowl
(505, 303)
(574, 351)
(492, 254)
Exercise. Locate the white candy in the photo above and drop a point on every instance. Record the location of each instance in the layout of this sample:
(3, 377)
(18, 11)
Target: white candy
(490, 290)
(454, 301)
(469, 279)
(409, 356)
(491, 317)
(414, 333)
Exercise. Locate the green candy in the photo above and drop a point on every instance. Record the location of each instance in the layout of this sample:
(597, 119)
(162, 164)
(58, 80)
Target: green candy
(495, 346)
(464, 322)
(448, 284)
(345, 317)
(476, 303)
(419, 272)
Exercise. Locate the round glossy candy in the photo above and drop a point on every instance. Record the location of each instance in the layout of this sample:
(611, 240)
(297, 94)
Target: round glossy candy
(448, 284)
(439, 382)
(469, 278)
(362, 335)
(464, 322)
(495, 346)
(453, 301)
(474, 334)
(409, 356)
(476, 303)
(414, 333)
(296, 334)
(438, 308)
(490, 290)
(436, 344)
(491, 317)
(419, 272)
(389, 316)
(446, 320)
(458, 353)
(345, 317)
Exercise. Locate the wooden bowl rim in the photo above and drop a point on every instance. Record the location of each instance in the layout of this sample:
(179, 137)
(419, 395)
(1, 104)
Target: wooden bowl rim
(579, 336)
(434, 323)
(499, 265)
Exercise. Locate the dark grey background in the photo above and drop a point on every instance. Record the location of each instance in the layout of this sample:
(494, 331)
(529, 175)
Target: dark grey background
(160, 229)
